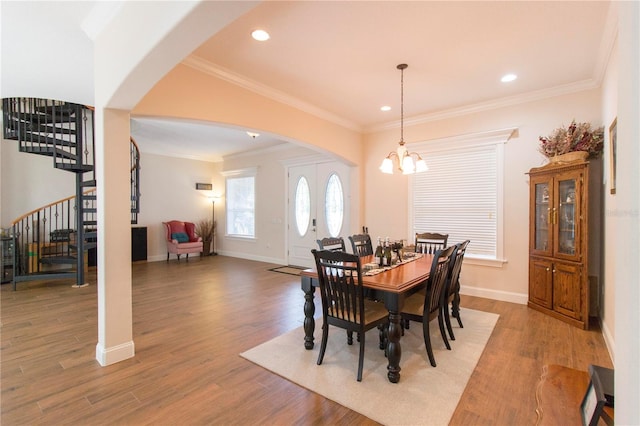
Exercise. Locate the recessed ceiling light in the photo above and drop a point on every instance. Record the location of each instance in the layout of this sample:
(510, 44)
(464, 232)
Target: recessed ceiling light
(508, 77)
(260, 35)
(385, 108)
(253, 134)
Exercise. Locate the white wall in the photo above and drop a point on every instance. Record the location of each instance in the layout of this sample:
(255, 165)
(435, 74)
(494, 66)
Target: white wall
(29, 181)
(533, 119)
(271, 204)
(168, 187)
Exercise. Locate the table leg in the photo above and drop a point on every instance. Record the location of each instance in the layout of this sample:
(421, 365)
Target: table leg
(309, 321)
(394, 351)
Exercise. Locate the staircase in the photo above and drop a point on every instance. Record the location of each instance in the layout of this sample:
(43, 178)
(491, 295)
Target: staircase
(53, 242)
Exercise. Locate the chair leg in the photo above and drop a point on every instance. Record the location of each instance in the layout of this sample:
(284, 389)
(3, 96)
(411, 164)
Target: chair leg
(361, 357)
(323, 344)
(350, 338)
(443, 332)
(167, 256)
(427, 342)
(178, 257)
(445, 313)
(455, 309)
(187, 257)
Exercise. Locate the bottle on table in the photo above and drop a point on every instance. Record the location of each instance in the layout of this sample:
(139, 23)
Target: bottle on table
(387, 253)
(378, 254)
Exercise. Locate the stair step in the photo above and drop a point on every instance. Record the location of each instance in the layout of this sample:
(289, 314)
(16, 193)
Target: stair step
(90, 222)
(27, 137)
(90, 210)
(64, 107)
(34, 127)
(81, 168)
(89, 183)
(59, 260)
(48, 151)
(89, 197)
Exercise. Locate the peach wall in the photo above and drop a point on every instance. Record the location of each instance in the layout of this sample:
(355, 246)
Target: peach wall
(386, 197)
(189, 93)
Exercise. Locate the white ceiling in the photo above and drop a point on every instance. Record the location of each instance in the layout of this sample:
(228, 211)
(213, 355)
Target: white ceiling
(338, 60)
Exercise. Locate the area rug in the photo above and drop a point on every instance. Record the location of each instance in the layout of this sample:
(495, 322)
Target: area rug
(424, 396)
(291, 270)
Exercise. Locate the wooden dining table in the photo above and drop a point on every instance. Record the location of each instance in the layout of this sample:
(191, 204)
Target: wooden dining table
(391, 286)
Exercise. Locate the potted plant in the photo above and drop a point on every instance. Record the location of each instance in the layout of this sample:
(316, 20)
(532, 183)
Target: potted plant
(578, 138)
(206, 229)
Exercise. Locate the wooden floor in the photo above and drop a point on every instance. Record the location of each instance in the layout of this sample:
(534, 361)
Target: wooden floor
(191, 320)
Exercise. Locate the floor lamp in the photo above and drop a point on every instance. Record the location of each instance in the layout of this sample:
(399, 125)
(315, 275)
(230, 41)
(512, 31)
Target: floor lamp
(213, 199)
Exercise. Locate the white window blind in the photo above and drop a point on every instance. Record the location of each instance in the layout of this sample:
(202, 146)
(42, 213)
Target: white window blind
(458, 196)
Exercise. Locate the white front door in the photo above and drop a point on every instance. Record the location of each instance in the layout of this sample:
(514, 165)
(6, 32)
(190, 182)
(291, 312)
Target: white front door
(318, 208)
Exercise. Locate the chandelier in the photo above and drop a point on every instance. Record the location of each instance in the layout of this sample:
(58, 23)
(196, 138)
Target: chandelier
(404, 158)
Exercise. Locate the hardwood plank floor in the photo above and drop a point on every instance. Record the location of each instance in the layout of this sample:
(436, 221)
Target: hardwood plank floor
(192, 319)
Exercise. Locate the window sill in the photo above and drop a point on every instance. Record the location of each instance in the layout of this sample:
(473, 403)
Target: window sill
(484, 261)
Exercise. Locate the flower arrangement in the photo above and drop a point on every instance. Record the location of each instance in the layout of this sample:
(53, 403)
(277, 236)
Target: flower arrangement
(577, 137)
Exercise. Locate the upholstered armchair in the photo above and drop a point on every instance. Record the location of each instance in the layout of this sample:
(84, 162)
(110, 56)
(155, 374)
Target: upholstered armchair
(181, 238)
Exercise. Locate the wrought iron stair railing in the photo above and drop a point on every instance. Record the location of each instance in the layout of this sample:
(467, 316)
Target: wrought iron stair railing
(49, 239)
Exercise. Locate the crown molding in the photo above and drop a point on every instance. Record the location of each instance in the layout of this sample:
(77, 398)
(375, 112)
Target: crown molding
(536, 95)
(260, 151)
(222, 73)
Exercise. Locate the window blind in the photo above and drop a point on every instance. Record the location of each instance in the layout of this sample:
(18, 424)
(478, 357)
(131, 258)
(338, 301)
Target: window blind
(458, 196)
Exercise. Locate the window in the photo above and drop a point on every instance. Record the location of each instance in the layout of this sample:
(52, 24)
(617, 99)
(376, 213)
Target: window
(240, 196)
(334, 205)
(303, 206)
(461, 193)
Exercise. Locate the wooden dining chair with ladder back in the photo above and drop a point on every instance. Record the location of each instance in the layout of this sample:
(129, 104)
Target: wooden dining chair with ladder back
(452, 290)
(426, 307)
(343, 301)
(331, 244)
(430, 242)
(361, 244)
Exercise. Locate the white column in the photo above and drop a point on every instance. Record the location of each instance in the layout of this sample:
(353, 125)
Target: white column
(115, 332)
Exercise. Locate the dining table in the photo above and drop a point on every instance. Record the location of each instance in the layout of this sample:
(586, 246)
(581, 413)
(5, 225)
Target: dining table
(391, 286)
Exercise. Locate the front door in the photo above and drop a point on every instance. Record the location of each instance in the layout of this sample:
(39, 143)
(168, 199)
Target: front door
(318, 208)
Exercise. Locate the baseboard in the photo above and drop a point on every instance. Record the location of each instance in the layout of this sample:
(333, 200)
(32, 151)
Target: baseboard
(504, 296)
(108, 356)
(608, 340)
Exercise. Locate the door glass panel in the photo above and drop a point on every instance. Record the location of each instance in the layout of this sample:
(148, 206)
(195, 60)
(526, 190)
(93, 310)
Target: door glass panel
(567, 217)
(303, 206)
(542, 216)
(334, 205)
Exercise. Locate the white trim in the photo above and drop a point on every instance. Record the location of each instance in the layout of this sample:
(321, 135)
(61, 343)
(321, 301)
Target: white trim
(504, 296)
(285, 146)
(225, 74)
(108, 356)
(249, 171)
(470, 259)
(306, 160)
(249, 256)
(551, 92)
(490, 137)
(608, 340)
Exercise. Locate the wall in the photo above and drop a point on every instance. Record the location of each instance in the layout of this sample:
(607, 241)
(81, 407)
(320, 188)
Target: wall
(168, 187)
(509, 282)
(29, 181)
(609, 113)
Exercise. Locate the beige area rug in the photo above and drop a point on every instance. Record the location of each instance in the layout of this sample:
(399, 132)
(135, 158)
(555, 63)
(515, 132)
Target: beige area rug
(424, 396)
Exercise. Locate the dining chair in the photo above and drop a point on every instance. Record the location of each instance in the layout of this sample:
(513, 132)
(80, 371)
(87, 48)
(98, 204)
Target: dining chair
(452, 291)
(343, 301)
(426, 307)
(430, 242)
(361, 244)
(331, 244)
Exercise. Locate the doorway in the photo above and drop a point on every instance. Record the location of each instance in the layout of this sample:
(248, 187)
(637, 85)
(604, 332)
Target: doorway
(318, 207)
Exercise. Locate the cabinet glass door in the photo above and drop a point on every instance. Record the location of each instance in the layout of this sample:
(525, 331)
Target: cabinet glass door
(543, 217)
(567, 217)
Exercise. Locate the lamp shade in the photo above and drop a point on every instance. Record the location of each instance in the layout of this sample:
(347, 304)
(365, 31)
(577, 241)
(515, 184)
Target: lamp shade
(387, 166)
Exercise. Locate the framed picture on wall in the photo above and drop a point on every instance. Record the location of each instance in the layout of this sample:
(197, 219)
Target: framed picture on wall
(613, 142)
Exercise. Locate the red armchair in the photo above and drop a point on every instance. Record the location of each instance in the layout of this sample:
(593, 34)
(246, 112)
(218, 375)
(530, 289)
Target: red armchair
(182, 239)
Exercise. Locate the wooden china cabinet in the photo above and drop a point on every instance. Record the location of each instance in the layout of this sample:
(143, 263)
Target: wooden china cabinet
(558, 241)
